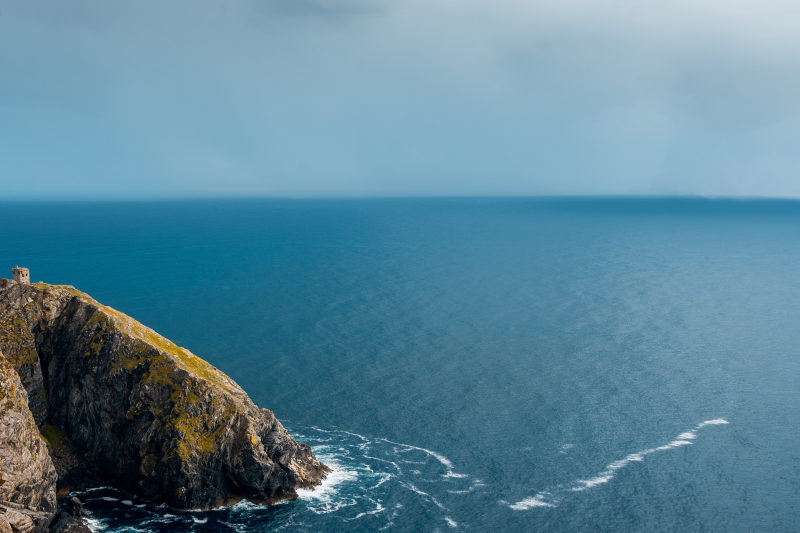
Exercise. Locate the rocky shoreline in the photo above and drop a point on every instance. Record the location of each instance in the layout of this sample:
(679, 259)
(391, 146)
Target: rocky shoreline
(88, 395)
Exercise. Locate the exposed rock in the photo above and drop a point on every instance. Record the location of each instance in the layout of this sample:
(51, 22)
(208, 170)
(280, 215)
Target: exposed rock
(18, 522)
(74, 507)
(70, 519)
(67, 523)
(20, 351)
(27, 475)
(151, 418)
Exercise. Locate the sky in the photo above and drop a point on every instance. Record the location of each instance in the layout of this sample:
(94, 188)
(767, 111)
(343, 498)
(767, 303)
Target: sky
(198, 98)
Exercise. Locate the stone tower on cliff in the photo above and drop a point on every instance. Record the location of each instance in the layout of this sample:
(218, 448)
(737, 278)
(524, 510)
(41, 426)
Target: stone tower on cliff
(21, 274)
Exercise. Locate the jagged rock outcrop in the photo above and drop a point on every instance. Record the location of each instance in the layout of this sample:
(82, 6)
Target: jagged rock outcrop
(70, 519)
(141, 413)
(27, 475)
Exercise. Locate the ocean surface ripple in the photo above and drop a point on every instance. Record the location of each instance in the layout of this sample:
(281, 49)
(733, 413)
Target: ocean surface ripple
(447, 354)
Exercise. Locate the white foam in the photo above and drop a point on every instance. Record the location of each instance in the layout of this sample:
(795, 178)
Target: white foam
(673, 444)
(395, 465)
(126, 502)
(601, 479)
(325, 498)
(236, 527)
(450, 522)
(328, 488)
(472, 488)
(384, 479)
(607, 474)
(358, 462)
(109, 499)
(362, 437)
(95, 489)
(95, 525)
(413, 488)
(378, 509)
(199, 520)
(532, 502)
(439, 457)
(714, 422)
(630, 458)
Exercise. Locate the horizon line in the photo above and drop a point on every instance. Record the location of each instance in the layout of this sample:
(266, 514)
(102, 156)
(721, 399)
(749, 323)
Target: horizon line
(201, 198)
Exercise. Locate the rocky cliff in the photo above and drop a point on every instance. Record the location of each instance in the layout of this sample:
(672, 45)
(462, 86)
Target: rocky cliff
(27, 476)
(119, 403)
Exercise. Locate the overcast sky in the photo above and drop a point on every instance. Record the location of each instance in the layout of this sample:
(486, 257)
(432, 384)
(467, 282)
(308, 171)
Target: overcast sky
(399, 97)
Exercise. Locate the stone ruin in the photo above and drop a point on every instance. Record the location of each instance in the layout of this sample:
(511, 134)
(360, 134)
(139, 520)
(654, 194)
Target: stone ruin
(21, 274)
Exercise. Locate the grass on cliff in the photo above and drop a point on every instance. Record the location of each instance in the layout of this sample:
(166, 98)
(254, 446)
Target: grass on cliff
(199, 419)
(17, 341)
(107, 317)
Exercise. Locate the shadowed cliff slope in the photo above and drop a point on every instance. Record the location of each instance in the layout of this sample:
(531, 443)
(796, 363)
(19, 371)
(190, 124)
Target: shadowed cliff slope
(150, 417)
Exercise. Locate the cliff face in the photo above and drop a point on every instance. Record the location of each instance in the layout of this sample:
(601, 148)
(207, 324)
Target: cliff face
(150, 417)
(27, 476)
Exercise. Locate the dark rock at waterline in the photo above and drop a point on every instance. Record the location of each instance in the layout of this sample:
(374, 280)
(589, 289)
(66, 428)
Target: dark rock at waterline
(70, 518)
(65, 522)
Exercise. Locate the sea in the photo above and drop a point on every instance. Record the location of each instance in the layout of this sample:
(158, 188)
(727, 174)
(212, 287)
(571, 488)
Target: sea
(471, 364)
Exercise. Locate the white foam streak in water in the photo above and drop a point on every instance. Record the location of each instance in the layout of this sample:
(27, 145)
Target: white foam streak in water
(93, 489)
(683, 439)
(383, 480)
(378, 509)
(476, 484)
(715, 422)
(395, 465)
(439, 457)
(530, 503)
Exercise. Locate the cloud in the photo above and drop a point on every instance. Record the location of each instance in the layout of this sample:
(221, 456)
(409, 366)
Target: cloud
(411, 97)
(327, 8)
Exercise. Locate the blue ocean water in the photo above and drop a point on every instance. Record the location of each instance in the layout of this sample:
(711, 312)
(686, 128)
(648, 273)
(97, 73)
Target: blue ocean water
(472, 364)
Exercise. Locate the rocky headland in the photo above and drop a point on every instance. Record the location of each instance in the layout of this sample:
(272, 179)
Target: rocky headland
(88, 395)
